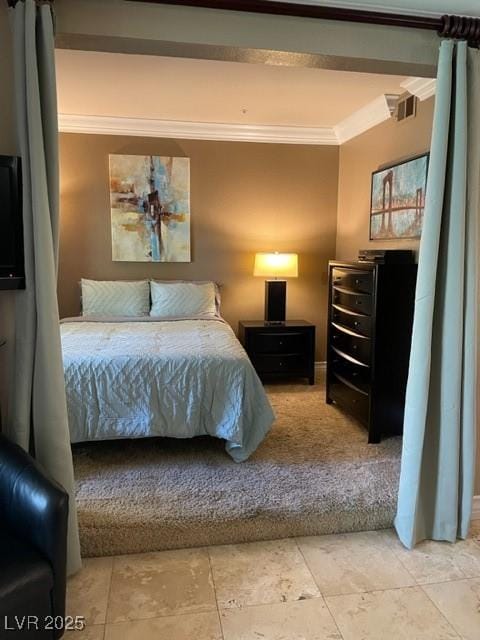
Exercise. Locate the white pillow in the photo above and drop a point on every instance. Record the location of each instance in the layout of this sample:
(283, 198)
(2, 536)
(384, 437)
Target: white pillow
(183, 299)
(115, 298)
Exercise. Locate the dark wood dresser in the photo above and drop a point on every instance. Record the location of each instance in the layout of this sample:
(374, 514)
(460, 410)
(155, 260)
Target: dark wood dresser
(284, 350)
(370, 320)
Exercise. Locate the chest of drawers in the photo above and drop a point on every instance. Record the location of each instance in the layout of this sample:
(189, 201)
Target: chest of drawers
(370, 318)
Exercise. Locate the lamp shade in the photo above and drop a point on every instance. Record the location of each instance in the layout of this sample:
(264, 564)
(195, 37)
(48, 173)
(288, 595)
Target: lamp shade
(276, 265)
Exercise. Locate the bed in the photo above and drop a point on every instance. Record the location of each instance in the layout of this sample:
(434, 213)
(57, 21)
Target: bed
(179, 378)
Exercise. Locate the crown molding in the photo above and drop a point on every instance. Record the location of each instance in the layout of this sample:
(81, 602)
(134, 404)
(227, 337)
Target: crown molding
(372, 114)
(148, 128)
(423, 88)
(369, 116)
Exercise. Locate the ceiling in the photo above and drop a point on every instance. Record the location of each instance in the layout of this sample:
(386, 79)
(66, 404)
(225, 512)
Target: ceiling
(161, 88)
(431, 7)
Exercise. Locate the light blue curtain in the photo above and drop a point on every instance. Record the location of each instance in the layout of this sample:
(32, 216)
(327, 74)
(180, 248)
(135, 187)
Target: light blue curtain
(39, 401)
(438, 459)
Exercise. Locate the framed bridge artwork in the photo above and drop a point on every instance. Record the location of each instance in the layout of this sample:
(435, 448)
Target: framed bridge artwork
(150, 208)
(398, 199)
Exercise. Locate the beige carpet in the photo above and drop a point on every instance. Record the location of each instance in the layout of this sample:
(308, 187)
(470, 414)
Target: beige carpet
(313, 474)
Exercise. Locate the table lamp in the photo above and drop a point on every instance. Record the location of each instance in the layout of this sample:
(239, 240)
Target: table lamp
(278, 266)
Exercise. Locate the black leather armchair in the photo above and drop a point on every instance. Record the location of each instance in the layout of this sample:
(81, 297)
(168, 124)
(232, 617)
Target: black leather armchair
(33, 548)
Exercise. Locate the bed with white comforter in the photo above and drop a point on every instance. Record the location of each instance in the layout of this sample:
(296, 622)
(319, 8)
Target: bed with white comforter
(178, 378)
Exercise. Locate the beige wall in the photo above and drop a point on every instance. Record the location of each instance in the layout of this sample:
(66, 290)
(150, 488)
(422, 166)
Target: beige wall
(245, 197)
(384, 144)
(8, 146)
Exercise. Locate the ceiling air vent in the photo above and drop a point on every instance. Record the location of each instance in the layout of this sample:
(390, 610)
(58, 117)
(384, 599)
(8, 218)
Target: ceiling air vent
(406, 107)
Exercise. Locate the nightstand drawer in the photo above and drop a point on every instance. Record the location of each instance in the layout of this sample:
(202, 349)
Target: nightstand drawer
(290, 363)
(281, 342)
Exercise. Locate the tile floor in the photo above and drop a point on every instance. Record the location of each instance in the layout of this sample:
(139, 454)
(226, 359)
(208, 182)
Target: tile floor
(360, 586)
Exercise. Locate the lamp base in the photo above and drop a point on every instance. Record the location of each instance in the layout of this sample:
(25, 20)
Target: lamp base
(275, 301)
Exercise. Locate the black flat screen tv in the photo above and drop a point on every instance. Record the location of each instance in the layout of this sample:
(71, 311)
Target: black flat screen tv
(12, 266)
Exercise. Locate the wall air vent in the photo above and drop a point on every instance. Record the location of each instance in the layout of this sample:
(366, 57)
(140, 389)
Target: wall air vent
(406, 107)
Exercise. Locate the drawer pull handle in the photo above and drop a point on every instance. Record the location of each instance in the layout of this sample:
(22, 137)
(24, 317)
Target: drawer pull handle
(280, 342)
(354, 347)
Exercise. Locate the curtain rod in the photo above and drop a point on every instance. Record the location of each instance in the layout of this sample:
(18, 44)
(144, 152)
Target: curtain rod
(447, 26)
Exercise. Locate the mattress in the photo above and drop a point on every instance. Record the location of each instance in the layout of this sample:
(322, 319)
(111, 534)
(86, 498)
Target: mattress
(140, 377)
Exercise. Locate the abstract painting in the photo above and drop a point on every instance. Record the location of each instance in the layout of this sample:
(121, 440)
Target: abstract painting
(150, 208)
(398, 200)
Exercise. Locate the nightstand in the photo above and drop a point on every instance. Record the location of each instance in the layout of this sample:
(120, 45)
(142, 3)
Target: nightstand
(280, 350)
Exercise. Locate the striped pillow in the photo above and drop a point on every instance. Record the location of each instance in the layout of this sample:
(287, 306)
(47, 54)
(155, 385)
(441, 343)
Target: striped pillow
(183, 299)
(115, 298)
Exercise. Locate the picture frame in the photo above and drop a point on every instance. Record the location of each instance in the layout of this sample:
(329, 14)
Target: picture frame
(397, 201)
(150, 208)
